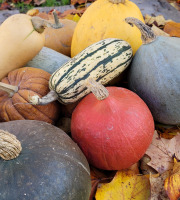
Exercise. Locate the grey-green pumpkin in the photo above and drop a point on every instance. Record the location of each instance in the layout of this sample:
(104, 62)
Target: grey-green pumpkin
(155, 74)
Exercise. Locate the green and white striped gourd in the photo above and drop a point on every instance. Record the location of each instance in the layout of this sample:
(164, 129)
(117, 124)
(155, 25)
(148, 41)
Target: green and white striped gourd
(102, 61)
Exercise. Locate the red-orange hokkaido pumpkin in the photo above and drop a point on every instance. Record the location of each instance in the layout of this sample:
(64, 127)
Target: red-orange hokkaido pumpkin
(113, 133)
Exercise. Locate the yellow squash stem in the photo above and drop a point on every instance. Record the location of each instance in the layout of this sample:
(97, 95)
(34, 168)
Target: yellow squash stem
(10, 146)
(147, 35)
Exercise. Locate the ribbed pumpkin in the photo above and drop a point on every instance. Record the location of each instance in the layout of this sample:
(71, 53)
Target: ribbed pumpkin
(24, 82)
(105, 19)
(113, 131)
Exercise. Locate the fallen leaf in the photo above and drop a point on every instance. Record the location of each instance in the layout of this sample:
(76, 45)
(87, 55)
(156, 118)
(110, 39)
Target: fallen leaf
(175, 5)
(5, 6)
(159, 20)
(135, 168)
(158, 31)
(74, 2)
(145, 168)
(76, 18)
(167, 131)
(161, 152)
(99, 176)
(172, 183)
(157, 186)
(39, 2)
(172, 28)
(125, 185)
(32, 12)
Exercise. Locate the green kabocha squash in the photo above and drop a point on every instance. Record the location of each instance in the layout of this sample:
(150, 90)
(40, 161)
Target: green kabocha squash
(155, 74)
(50, 165)
(105, 19)
(102, 61)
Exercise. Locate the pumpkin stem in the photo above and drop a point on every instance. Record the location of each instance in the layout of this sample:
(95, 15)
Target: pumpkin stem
(50, 97)
(97, 89)
(117, 1)
(10, 146)
(40, 24)
(10, 89)
(147, 35)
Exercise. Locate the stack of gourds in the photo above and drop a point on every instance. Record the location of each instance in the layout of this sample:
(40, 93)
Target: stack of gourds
(112, 125)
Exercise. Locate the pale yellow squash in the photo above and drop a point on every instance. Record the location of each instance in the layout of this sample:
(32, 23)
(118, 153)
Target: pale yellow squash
(19, 41)
(106, 19)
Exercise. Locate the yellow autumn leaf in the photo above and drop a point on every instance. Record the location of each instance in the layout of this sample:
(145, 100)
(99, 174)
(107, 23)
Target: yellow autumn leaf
(125, 185)
(172, 183)
(76, 18)
(69, 16)
(32, 12)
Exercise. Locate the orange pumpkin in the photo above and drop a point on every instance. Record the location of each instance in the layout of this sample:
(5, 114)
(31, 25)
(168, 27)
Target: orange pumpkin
(14, 103)
(60, 39)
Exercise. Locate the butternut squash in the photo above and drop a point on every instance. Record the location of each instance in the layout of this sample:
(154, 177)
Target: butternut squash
(21, 38)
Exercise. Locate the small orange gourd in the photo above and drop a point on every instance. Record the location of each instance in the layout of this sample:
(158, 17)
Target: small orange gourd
(106, 19)
(60, 39)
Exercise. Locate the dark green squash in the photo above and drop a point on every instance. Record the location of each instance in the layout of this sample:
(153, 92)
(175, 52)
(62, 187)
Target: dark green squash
(50, 166)
(155, 74)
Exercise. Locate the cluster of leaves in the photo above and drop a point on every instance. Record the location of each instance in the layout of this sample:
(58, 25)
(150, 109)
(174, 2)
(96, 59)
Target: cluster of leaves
(155, 176)
(25, 5)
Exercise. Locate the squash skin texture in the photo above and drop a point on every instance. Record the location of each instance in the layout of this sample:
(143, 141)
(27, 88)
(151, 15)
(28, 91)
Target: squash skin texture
(113, 133)
(60, 39)
(29, 81)
(155, 76)
(103, 19)
(18, 43)
(49, 167)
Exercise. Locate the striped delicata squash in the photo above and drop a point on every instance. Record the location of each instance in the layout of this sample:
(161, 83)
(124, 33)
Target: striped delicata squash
(101, 61)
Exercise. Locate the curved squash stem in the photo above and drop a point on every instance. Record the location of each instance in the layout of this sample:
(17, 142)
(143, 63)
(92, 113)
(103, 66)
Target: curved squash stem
(117, 1)
(147, 35)
(97, 89)
(40, 24)
(10, 89)
(10, 146)
(50, 97)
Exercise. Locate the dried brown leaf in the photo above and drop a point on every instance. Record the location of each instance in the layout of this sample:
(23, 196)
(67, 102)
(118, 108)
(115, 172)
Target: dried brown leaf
(172, 183)
(157, 186)
(161, 152)
(172, 28)
(158, 31)
(159, 20)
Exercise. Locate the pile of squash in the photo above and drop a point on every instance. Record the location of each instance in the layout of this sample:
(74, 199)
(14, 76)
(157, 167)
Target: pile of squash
(79, 94)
